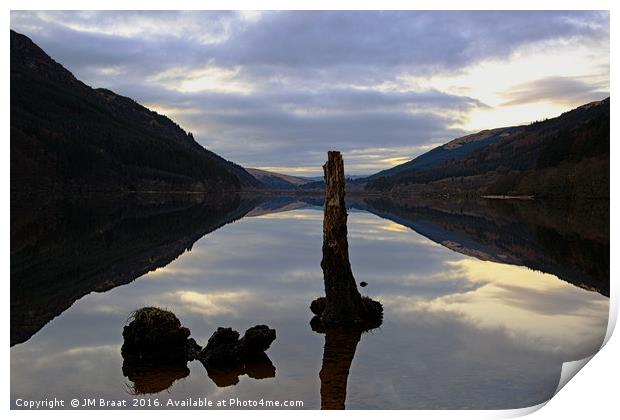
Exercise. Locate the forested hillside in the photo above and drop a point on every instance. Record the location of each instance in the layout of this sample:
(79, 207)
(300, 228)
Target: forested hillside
(66, 135)
(566, 157)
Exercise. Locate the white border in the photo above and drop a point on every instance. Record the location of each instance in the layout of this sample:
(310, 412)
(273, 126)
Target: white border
(593, 394)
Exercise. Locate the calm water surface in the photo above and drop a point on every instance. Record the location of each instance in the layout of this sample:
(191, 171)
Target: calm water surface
(461, 330)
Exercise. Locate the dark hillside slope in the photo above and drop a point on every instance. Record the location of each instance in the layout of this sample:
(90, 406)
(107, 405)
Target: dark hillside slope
(562, 157)
(68, 136)
(452, 150)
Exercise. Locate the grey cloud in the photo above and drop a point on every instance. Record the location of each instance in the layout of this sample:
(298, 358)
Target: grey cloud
(281, 137)
(285, 43)
(297, 127)
(434, 39)
(565, 90)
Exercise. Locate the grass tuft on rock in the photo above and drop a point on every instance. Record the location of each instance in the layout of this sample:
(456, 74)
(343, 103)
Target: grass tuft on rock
(156, 334)
(152, 316)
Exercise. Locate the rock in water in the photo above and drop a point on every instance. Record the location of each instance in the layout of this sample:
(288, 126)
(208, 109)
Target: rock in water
(157, 347)
(225, 349)
(156, 335)
(226, 357)
(222, 348)
(257, 340)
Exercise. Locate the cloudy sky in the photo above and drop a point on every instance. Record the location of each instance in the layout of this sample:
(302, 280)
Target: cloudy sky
(276, 90)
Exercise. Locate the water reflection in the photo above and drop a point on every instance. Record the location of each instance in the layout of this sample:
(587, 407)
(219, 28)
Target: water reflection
(340, 346)
(259, 367)
(151, 379)
(567, 239)
(465, 328)
(338, 353)
(63, 249)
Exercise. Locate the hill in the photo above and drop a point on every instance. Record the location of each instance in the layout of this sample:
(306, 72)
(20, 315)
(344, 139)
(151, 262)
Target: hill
(454, 149)
(278, 181)
(67, 136)
(562, 157)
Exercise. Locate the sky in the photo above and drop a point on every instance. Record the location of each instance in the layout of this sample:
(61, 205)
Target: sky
(277, 90)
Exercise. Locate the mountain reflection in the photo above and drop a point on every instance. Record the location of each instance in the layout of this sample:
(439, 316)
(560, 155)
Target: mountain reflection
(63, 249)
(567, 239)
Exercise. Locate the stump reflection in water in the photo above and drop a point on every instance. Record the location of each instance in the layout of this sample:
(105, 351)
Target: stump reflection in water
(338, 353)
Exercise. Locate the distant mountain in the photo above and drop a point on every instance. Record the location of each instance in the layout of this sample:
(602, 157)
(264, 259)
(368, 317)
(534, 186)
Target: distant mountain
(278, 181)
(354, 182)
(66, 135)
(562, 157)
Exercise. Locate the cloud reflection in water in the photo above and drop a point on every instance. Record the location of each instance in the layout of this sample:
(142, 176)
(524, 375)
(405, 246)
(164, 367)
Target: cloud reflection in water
(458, 332)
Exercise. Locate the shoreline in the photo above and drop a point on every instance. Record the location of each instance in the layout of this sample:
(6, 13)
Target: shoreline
(508, 197)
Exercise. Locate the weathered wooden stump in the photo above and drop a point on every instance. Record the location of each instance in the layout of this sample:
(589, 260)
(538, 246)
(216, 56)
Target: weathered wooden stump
(343, 303)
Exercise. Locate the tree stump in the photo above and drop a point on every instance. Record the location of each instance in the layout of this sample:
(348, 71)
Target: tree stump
(343, 302)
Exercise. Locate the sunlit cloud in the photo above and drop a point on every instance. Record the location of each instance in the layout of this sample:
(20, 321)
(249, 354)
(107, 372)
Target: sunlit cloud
(537, 81)
(210, 79)
(209, 304)
(561, 90)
